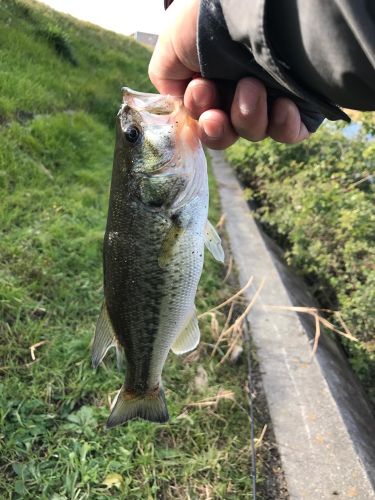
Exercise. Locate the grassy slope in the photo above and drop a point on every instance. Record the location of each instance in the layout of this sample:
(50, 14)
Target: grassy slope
(54, 178)
(33, 77)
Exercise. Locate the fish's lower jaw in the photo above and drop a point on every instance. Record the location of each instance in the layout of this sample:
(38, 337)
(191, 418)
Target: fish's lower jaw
(149, 406)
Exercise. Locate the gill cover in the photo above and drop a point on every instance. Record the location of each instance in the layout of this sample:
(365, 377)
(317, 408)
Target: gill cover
(163, 152)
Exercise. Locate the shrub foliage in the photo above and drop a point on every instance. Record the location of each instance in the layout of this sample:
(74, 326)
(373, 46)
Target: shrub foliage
(317, 200)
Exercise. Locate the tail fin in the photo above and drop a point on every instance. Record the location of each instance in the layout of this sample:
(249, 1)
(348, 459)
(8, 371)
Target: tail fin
(149, 406)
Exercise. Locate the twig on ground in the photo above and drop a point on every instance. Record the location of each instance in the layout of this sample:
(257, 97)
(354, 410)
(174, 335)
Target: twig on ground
(259, 440)
(112, 400)
(229, 269)
(319, 320)
(221, 222)
(238, 334)
(34, 347)
(224, 330)
(228, 301)
(234, 327)
(316, 337)
(229, 317)
(212, 401)
(214, 326)
(342, 322)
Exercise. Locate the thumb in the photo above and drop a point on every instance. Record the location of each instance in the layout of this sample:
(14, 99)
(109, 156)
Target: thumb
(175, 58)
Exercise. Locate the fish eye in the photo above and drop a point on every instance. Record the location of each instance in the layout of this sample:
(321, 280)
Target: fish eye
(132, 134)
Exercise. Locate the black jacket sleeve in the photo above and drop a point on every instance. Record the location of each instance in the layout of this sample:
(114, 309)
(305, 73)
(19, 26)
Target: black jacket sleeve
(329, 47)
(320, 53)
(233, 43)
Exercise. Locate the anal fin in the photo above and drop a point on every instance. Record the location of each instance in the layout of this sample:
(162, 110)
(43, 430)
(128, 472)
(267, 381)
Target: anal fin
(104, 337)
(189, 337)
(149, 406)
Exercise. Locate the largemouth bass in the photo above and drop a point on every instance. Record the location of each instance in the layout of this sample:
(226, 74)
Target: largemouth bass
(153, 248)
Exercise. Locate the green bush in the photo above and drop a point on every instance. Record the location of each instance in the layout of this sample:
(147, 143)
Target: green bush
(317, 200)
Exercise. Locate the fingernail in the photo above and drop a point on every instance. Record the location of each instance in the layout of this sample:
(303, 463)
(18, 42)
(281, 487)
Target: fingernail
(247, 102)
(212, 129)
(202, 96)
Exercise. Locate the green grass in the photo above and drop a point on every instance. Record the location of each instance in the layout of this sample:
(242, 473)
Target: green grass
(55, 168)
(37, 47)
(53, 411)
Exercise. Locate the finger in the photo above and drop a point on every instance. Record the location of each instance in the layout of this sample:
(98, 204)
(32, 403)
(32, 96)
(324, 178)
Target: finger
(285, 123)
(200, 96)
(215, 129)
(175, 57)
(166, 71)
(249, 109)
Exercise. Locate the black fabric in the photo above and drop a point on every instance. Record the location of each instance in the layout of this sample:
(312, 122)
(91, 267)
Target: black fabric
(223, 58)
(329, 46)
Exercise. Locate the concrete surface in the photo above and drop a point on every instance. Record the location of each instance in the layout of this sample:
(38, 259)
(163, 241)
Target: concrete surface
(323, 425)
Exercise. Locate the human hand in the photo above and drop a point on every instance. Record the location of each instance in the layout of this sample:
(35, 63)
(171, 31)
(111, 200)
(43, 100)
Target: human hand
(175, 62)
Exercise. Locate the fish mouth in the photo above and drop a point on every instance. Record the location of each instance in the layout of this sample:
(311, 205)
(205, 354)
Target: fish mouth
(155, 104)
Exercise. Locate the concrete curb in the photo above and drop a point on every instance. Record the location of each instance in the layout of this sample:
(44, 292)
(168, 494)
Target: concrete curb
(323, 425)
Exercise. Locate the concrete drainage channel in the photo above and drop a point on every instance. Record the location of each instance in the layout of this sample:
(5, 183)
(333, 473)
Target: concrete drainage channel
(324, 428)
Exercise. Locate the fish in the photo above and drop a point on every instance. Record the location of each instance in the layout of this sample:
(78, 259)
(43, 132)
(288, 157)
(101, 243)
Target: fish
(153, 249)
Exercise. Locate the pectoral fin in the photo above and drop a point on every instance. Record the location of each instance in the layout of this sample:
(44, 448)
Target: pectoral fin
(179, 223)
(104, 337)
(188, 339)
(213, 242)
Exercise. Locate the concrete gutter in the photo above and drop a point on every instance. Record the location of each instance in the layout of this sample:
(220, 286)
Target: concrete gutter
(324, 428)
